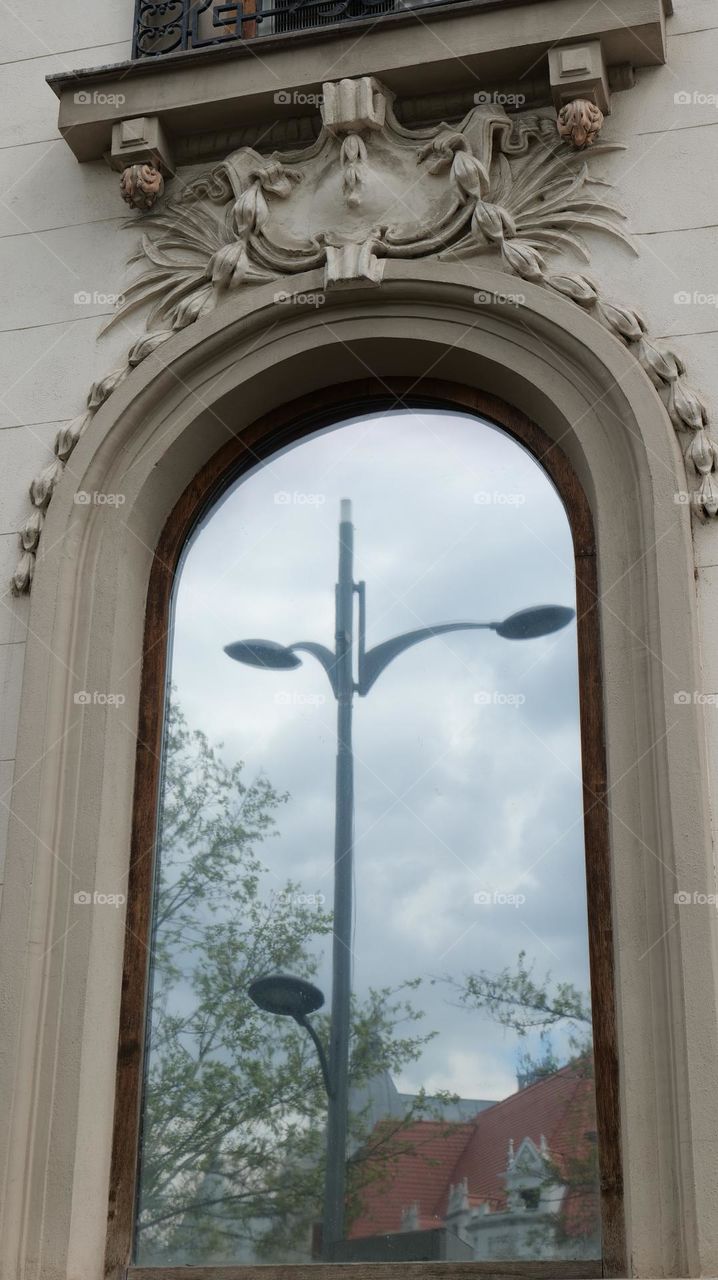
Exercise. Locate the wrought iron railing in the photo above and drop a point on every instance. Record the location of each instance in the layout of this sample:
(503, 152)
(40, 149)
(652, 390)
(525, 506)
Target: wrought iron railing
(168, 26)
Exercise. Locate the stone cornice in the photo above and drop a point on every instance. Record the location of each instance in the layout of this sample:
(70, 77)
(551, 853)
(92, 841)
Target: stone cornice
(233, 88)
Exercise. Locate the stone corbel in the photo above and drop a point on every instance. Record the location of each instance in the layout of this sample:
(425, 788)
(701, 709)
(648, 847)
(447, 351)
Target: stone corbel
(579, 87)
(142, 154)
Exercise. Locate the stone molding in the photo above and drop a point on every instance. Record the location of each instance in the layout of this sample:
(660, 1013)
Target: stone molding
(150, 438)
(495, 185)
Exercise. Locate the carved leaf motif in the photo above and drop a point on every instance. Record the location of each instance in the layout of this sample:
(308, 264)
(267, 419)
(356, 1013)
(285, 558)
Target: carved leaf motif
(492, 222)
(578, 288)
(22, 577)
(43, 485)
(67, 437)
(469, 175)
(622, 320)
(522, 259)
(30, 531)
(664, 366)
(702, 452)
(685, 408)
(145, 346)
(707, 494)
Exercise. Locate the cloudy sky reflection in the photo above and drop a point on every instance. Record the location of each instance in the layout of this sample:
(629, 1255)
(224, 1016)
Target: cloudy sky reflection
(467, 748)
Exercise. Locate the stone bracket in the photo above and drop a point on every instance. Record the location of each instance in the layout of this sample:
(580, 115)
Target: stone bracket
(141, 152)
(579, 71)
(141, 140)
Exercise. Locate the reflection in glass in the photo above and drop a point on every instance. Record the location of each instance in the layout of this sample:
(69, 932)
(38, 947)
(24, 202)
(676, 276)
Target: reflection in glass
(403, 1123)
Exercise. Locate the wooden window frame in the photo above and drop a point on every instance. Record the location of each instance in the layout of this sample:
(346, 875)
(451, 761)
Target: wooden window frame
(259, 441)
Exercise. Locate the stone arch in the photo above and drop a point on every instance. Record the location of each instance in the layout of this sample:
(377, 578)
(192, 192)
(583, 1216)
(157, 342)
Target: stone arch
(72, 800)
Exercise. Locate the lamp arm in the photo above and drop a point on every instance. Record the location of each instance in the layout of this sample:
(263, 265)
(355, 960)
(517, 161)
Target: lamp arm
(323, 655)
(321, 1054)
(382, 654)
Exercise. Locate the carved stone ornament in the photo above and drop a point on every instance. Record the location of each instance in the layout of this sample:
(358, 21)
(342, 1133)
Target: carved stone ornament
(580, 122)
(367, 190)
(141, 185)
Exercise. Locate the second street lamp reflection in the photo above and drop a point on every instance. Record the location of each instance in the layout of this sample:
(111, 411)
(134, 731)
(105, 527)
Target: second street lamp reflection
(278, 995)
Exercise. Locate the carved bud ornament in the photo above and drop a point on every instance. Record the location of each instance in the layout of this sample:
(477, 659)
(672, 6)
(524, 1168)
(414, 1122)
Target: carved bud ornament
(367, 190)
(141, 185)
(580, 123)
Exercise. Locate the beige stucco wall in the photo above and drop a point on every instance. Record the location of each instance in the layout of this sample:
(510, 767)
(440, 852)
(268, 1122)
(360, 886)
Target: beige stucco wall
(61, 235)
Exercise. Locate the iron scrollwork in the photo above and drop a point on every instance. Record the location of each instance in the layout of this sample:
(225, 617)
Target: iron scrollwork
(169, 26)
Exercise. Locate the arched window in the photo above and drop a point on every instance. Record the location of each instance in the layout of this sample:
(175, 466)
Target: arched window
(368, 1030)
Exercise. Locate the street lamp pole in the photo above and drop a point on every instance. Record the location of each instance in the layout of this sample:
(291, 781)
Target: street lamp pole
(285, 995)
(338, 1107)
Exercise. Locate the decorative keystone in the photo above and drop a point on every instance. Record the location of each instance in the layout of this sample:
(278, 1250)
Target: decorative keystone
(580, 123)
(141, 151)
(348, 263)
(350, 106)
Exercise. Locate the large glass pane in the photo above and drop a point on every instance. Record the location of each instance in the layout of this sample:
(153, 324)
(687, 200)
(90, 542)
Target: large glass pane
(448, 984)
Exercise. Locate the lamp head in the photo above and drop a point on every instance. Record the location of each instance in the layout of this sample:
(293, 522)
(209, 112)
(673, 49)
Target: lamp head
(279, 993)
(539, 620)
(263, 653)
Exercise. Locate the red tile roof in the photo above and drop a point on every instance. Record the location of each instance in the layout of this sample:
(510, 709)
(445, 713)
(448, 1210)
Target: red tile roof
(429, 1157)
(420, 1158)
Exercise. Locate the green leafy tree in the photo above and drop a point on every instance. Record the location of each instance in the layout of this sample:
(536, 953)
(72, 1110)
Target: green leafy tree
(234, 1102)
